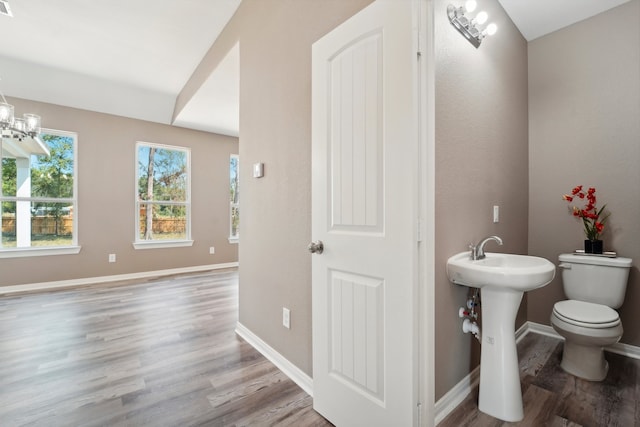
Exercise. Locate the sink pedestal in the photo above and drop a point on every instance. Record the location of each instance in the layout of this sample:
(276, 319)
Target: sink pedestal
(502, 279)
(500, 392)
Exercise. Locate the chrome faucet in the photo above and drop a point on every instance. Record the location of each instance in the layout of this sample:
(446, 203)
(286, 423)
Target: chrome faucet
(477, 251)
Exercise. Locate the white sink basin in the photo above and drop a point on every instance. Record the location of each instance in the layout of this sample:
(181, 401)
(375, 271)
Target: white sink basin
(517, 272)
(503, 279)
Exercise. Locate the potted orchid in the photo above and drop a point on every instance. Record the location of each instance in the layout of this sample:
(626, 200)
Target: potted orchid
(593, 218)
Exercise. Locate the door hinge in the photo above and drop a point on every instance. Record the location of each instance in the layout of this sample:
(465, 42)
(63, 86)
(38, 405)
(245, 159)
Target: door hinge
(419, 232)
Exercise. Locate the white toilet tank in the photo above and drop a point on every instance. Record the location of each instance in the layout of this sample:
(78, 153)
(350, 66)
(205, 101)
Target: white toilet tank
(596, 279)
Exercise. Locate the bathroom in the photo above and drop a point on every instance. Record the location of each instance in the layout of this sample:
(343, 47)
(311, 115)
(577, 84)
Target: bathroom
(519, 124)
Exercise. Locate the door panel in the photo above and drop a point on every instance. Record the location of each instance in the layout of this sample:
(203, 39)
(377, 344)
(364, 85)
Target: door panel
(356, 335)
(356, 141)
(364, 190)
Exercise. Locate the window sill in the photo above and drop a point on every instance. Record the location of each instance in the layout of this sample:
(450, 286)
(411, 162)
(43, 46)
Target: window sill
(159, 244)
(234, 240)
(39, 251)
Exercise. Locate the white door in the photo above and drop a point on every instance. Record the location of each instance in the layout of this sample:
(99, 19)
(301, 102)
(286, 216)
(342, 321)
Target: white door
(364, 192)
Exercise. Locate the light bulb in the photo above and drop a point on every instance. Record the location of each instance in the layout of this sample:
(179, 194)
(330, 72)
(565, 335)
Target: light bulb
(6, 114)
(481, 17)
(32, 123)
(491, 29)
(470, 5)
(19, 125)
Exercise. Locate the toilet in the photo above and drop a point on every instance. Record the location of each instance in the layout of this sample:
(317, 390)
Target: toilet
(595, 286)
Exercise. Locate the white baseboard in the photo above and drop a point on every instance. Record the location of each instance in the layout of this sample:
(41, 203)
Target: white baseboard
(5, 290)
(522, 331)
(540, 329)
(289, 369)
(447, 403)
(626, 350)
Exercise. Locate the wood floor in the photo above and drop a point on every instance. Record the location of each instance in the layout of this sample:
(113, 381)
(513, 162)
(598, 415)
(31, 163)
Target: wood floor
(554, 398)
(163, 352)
(156, 352)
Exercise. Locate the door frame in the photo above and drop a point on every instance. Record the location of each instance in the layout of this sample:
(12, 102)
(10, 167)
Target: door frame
(425, 109)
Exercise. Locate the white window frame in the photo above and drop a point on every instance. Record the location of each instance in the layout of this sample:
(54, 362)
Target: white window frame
(234, 238)
(72, 249)
(154, 244)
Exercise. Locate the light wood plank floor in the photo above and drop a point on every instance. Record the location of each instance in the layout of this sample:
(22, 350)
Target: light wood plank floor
(554, 398)
(156, 352)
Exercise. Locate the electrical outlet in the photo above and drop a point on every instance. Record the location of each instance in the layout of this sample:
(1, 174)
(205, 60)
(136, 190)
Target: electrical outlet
(286, 318)
(212, 250)
(112, 257)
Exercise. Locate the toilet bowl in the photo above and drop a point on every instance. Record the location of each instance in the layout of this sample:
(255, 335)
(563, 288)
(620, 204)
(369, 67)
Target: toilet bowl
(587, 320)
(587, 329)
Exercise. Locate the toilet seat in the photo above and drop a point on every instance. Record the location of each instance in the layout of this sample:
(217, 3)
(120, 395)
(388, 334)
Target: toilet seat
(586, 314)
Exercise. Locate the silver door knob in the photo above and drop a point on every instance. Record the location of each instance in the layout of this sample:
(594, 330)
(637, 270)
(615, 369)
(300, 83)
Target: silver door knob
(316, 247)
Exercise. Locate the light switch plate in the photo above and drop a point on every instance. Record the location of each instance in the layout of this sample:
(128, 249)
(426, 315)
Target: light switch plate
(286, 318)
(258, 170)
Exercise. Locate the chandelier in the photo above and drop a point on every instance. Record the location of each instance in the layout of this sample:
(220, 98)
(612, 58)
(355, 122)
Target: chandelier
(18, 128)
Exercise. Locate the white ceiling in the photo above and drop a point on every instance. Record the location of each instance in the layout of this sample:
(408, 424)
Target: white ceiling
(535, 18)
(133, 57)
(124, 57)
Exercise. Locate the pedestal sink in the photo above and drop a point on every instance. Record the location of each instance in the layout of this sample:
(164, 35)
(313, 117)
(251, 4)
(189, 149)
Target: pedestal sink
(503, 279)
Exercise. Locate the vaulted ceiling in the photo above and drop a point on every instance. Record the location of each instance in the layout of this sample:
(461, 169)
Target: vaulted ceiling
(123, 57)
(132, 58)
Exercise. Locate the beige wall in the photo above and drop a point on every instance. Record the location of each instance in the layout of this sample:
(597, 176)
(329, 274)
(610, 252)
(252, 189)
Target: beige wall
(481, 161)
(275, 39)
(577, 123)
(106, 196)
(584, 104)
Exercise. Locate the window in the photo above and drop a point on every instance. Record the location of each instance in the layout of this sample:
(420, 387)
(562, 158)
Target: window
(38, 199)
(163, 196)
(234, 205)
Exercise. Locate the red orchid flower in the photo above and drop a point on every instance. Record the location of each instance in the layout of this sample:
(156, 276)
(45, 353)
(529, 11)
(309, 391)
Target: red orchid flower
(593, 219)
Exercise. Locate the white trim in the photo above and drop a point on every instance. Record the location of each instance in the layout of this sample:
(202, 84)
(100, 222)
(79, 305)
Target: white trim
(622, 349)
(159, 244)
(71, 249)
(425, 121)
(39, 251)
(541, 329)
(5, 290)
(522, 331)
(447, 403)
(289, 369)
(144, 244)
(454, 397)
(234, 240)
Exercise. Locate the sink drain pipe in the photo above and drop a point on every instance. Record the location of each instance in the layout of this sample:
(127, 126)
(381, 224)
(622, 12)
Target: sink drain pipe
(469, 315)
(471, 327)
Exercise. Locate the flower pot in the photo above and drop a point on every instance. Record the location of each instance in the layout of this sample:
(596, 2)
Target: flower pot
(593, 246)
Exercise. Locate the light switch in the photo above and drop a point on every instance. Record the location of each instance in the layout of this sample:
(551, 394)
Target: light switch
(258, 170)
(496, 214)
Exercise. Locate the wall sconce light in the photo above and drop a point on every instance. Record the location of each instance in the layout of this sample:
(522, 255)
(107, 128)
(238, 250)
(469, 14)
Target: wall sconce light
(470, 28)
